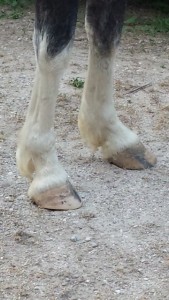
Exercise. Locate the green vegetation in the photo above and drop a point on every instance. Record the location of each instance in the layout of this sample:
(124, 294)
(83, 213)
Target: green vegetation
(16, 3)
(149, 25)
(13, 8)
(152, 20)
(77, 82)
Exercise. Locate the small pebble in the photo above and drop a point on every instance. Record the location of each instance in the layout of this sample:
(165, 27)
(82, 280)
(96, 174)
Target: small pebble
(94, 245)
(118, 292)
(74, 238)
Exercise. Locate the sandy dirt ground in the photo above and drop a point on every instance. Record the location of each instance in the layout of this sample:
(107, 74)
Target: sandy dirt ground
(117, 245)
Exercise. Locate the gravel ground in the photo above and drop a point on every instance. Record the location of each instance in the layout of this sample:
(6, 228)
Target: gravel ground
(117, 245)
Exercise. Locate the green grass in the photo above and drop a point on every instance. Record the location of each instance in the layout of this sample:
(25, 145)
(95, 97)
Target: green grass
(14, 8)
(16, 3)
(150, 25)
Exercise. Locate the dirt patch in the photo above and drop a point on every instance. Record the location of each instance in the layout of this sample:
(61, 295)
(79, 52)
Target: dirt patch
(116, 246)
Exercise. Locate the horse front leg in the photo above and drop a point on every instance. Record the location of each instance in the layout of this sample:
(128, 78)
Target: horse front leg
(36, 155)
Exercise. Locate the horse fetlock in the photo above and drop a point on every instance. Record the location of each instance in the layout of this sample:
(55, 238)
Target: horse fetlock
(108, 133)
(90, 133)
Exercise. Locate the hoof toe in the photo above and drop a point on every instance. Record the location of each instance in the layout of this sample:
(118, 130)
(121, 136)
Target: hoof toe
(136, 157)
(58, 198)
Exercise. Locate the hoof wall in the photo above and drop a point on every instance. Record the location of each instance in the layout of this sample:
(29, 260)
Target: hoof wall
(134, 158)
(58, 198)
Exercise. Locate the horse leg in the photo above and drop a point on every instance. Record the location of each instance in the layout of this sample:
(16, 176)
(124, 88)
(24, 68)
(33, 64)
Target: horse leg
(36, 157)
(98, 122)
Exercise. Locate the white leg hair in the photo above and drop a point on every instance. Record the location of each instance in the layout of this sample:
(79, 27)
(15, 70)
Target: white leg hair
(36, 155)
(98, 121)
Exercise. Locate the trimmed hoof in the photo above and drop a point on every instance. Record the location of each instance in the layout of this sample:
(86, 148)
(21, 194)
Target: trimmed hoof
(58, 198)
(136, 157)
